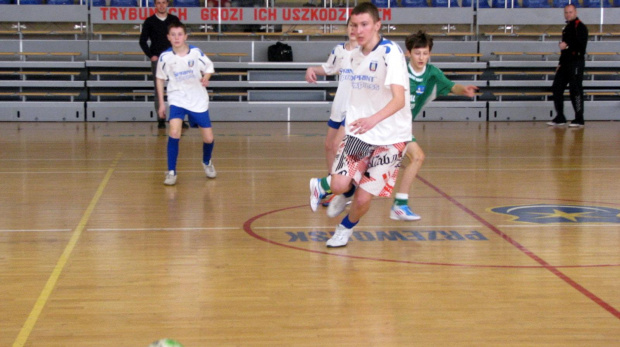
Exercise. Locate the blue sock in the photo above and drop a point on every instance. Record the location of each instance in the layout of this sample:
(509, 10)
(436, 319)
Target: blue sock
(350, 192)
(173, 153)
(347, 223)
(207, 149)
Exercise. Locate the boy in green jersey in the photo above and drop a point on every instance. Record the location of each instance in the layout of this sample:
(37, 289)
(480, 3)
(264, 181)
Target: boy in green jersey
(426, 83)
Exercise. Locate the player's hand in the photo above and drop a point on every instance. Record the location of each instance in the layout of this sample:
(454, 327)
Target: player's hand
(362, 125)
(154, 58)
(310, 75)
(161, 112)
(470, 91)
(205, 80)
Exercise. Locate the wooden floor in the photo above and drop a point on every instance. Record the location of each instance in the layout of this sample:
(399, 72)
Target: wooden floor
(519, 242)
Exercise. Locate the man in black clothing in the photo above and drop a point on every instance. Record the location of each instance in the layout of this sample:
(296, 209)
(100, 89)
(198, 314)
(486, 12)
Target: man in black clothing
(570, 68)
(155, 29)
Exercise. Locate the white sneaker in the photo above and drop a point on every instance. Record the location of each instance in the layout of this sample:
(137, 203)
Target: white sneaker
(209, 169)
(340, 238)
(557, 121)
(337, 205)
(171, 178)
(403, 212)
(316, 193)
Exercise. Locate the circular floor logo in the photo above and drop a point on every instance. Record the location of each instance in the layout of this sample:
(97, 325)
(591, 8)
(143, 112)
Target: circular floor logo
(570, 214)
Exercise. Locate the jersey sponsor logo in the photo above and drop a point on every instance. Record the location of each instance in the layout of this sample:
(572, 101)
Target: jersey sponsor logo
(183, 75)
(565, 214)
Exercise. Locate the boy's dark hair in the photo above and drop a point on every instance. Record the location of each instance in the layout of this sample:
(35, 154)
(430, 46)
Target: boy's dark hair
(419, 40)
(177, 24)
(367, 7)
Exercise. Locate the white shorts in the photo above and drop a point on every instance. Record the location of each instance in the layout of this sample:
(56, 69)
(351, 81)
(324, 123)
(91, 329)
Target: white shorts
(373, 167)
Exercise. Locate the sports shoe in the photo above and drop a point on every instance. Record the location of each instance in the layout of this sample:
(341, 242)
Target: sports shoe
(340, 238)
(403, 212)
(161, 124)
(171, 178)
(576, 124)
(185, 126)
(337, 205)
(316, 193)
(557, 121)
(327, 199)
(209, 169)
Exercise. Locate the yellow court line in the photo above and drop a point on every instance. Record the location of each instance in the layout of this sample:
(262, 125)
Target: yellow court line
(22, 337)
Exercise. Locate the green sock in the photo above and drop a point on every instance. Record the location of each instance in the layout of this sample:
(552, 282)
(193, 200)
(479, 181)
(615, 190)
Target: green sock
(401, 199)
(400, 202)
(325, 184)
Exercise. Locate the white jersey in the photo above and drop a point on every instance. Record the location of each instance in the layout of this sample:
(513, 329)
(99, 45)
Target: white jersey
(371, 78)
(183, 75)
(339, 62)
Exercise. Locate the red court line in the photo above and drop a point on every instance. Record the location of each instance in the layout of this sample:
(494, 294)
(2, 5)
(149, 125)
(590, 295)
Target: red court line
(554, 270)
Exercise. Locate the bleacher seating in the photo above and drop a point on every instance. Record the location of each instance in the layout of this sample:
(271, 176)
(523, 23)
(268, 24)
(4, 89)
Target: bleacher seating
(30, 2)
(535, 4)
(505, 4)
(6, 2)
(563, 3)
(60, 2)
(124, 3)
(414, 3)
(476, 3)
(186, 3)
(384, 3)
(596, 3)
(444, 3)
(150, 3)
(114, 80)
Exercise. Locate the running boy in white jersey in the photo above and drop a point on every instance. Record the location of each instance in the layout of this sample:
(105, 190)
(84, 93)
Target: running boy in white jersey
(339, 62)
(377, 126)
(426, 83)
(187, 70)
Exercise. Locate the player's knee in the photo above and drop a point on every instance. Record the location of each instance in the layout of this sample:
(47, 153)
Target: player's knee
(415, 154)
(419, 157)
(340, 186)
(175, 133)
(363, 199)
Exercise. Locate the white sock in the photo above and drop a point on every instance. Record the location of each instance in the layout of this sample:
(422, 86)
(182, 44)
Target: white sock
(402, 196)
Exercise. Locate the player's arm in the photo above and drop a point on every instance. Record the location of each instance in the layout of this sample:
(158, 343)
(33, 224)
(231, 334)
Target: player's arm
(459, 89)
(205, 79)
(397, 102)
(207, 70)
(331, 66)
(161, 112)
(312, 72)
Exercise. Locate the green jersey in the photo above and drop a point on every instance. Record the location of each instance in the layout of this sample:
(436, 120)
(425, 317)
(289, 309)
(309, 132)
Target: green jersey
(427, 87)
